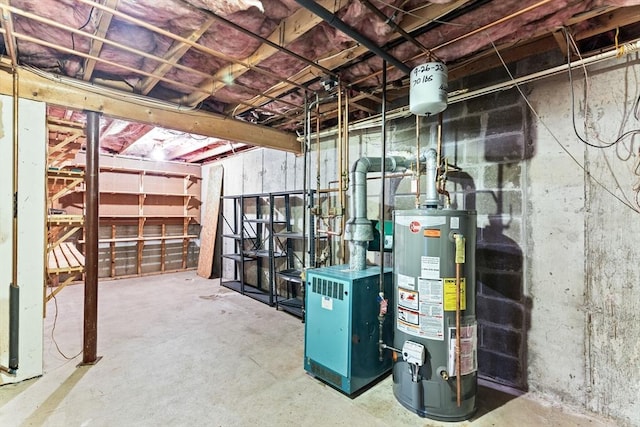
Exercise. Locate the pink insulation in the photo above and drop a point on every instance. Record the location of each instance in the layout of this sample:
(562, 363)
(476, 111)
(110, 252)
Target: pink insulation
(262, 17)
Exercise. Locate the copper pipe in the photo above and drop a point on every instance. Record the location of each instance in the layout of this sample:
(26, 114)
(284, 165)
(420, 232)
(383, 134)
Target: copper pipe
(340, 144)
(439, 140)
(458, 343)
(440, 176)
(417, 161)
(317, 207)
(345, 164)
(459, 242)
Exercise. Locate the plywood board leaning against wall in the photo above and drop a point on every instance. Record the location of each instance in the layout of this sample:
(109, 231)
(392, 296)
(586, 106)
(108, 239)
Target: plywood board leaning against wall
(210, 222)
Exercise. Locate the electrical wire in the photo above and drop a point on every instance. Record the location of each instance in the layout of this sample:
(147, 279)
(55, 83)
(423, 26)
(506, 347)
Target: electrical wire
(53, 328)
(73, 42)
(573, 101)
(555, 138)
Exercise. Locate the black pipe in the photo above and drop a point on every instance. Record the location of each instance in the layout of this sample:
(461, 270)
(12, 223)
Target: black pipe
(390, 22)
(90, 333)
(339, 24)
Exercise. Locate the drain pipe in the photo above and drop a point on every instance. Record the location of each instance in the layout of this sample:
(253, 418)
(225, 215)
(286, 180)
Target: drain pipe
(358, 231)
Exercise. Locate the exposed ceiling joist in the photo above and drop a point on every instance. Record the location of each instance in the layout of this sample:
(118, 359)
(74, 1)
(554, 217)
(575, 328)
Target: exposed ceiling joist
(172, 57)
(56, 92)
(104, 21)
(263, 61)
(9, 39)
(410, 23)
(287, 31)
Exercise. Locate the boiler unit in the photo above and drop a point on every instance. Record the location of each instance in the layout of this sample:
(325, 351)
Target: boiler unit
(342, 326)
(435, 374)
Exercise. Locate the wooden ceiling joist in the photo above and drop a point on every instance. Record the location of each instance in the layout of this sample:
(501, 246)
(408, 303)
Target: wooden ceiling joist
(172, 57)
(54, 91)
(289, 30)
(410, 23)
(9, 39)
(104, 21)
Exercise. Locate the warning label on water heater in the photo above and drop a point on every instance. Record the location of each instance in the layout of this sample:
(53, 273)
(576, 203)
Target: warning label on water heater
(421, 313)
(468, 349)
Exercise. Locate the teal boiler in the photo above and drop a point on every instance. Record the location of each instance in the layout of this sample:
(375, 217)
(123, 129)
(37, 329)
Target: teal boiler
(342, 326)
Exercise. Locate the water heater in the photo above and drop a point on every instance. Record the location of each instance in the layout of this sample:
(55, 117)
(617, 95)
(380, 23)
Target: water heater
(435, 374)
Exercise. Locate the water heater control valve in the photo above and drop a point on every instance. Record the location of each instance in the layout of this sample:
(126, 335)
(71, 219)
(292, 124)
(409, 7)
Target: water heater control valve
(413, 353)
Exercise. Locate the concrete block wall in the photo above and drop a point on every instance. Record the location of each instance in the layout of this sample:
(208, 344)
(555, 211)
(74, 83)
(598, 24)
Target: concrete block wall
(557, 251)
(488, 139)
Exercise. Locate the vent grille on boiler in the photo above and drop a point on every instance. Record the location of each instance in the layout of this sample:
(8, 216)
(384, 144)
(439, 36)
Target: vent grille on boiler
(327, 287)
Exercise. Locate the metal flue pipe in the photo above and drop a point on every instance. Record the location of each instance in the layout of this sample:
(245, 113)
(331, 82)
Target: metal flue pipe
(358, 231)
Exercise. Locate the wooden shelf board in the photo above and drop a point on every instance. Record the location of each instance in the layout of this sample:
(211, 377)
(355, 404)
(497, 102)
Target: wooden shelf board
(65, 219)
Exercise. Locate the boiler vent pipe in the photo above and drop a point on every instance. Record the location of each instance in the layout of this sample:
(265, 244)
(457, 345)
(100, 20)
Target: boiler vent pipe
(358, 229)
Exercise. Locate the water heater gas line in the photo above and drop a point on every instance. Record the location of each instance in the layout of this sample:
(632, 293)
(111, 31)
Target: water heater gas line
(417, 173)
(459, 260)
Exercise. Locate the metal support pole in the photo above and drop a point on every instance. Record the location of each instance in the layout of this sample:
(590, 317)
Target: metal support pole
(90, 341)
(14, 289)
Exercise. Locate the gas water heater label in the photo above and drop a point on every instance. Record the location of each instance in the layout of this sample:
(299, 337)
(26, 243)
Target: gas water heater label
(450, 290)
(420, 313)
(430, 267)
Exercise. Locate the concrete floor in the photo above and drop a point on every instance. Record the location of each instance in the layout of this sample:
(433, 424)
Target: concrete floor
(180, 350)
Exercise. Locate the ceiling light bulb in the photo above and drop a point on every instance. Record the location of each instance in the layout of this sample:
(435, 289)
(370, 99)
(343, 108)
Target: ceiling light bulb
(157, 154)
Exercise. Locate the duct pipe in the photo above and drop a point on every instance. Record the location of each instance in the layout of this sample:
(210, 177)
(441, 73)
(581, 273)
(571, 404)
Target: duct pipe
(358, 230)
(431, 196)
(90, 333)
(339, 24)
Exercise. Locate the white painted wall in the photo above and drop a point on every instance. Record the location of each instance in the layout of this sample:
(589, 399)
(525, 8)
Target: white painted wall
(31, 232)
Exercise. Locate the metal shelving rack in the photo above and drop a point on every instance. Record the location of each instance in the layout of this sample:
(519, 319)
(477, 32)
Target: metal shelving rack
(251, 230)
(264, 248)
(291, 298)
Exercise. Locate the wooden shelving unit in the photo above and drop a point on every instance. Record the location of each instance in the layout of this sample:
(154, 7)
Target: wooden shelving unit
(64, 260)
(149, 216)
